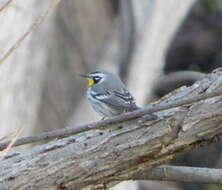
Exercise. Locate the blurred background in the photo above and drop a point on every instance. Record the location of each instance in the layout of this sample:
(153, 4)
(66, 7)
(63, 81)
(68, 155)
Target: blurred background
(155, 47)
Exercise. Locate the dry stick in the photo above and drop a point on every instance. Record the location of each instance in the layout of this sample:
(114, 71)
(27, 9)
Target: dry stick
(34, 25)
(6, 5)
(59, 133)
(4, 153)
(180, 174)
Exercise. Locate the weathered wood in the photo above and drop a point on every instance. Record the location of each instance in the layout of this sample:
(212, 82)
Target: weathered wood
(101, 157)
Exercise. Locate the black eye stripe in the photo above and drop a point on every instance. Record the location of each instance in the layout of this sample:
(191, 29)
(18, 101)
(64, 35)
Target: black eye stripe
(96, 79)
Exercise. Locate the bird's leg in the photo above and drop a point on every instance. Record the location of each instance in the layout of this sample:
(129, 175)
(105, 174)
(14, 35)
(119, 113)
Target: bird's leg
(149, 117)
(103, 118)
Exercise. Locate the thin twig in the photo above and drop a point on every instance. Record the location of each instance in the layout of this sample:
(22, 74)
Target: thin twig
(8, 136)
(181, 174)
(59, 133)
(5, 151)
(34, 25)
(6, 5)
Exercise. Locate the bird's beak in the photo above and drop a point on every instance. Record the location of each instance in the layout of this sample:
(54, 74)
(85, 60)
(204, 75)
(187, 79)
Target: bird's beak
(84, 75)
(90, 79)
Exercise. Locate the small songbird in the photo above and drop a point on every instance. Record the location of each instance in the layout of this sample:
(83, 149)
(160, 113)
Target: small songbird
(108, 95)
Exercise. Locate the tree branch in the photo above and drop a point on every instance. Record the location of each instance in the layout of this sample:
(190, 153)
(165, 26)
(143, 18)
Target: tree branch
(181, 174)
(34, 25)
(5, 5)
(59, 133)
(123, 147)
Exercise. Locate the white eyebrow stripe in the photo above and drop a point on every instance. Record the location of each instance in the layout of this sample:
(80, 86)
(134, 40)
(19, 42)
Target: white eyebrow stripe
(101, 75)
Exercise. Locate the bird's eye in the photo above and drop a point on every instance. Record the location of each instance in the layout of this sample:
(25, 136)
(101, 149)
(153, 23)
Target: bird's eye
(96, 79)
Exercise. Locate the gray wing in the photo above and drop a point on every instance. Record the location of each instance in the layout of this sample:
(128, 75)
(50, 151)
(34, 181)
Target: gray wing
(118, 99)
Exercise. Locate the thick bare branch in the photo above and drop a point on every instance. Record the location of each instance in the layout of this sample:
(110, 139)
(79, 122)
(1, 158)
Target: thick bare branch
(123, 150)
(98, 125)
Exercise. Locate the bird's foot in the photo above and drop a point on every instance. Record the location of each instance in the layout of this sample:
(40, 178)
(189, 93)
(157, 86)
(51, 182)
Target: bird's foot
(103, 118)
(148, 117)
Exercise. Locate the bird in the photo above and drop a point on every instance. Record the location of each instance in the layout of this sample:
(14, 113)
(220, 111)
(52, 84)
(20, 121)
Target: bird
(108, 95)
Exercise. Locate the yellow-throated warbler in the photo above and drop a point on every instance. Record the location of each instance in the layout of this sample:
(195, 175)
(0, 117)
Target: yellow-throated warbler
(108, 95)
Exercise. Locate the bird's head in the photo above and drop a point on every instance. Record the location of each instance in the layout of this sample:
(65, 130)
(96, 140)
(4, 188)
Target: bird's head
(95, 77)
